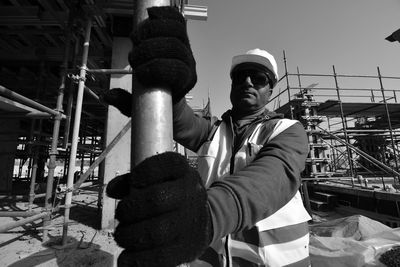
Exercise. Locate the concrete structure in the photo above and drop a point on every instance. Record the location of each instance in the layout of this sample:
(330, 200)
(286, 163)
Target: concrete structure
(118, 161)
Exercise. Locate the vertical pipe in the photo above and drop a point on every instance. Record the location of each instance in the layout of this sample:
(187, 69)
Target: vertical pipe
(344, 124)
(287, 75)
(298, 78)
(56, 130)
(333, 166)
(75, 133)
(65, 171)
(389, 122)
(100, 179)
(152, 112)
(28, 174)
(92, 156)
(20, 168)
(33, 171)
(287, 86)
(83, 142)
(70, 101)
(33, 179)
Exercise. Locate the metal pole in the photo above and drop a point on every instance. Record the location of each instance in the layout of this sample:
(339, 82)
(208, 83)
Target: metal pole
(110, 71)
(344, 125)
(298, 78)
(334, 167)
(102, 156)
(152, 108)
(29, 166)
(33, 179)
(18, 213)
(56, 130)
(91, 93)
(75, 133)
(287, 75)
(70, 101)
(389, 122)
(152, 112)
(26, 101)
(92, 157)
(12, 225)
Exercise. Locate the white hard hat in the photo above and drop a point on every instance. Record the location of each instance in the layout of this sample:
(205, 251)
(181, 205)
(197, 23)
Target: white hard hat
(259, 56)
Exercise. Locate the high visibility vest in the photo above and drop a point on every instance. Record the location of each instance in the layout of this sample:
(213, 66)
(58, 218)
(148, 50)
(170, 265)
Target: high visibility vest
(278, 240)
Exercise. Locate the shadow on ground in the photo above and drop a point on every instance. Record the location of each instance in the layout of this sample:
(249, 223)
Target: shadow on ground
(73, 254)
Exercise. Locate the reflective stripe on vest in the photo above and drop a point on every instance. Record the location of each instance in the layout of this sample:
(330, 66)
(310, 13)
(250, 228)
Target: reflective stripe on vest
(289, 222)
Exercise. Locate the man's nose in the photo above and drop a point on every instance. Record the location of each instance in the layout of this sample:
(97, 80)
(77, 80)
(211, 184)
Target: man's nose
(247, 80)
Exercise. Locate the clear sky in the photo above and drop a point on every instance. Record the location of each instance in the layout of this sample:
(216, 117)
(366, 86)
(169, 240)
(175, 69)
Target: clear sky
(315, 35)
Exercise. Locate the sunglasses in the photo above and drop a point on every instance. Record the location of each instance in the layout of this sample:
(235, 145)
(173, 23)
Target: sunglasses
(258, 78)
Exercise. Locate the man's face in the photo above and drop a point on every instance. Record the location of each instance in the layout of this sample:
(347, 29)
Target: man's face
(250, 90)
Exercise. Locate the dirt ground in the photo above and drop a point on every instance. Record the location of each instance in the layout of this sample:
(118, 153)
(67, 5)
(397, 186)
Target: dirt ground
(86, 246)
(332, 238)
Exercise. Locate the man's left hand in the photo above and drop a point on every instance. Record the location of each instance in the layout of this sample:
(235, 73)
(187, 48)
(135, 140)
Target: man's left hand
(163, 214)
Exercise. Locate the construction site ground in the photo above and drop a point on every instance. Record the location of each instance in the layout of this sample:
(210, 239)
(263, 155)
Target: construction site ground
(86, 245)
(335, 239)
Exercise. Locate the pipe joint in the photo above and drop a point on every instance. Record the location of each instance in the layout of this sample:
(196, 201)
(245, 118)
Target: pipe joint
(76, 78)
(51, 166)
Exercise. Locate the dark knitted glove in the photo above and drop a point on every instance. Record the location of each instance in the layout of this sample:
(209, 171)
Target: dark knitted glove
(161, 55)
(119, 98)
(164, 218)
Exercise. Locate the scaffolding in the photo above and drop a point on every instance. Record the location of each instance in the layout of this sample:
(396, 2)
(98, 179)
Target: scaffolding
(85, 144)
(340, 126)
(74, 141)
(353, 131)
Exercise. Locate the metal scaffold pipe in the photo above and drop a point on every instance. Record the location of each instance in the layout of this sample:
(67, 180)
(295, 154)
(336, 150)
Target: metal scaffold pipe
(18, 213)
(389, 123)
(110, 71)
(26, 101)
(56, 131)
(70, 100)
(344, 124)
(152, 108)
(152, 112)
(12, 225)
(102, 156)
(75, 133)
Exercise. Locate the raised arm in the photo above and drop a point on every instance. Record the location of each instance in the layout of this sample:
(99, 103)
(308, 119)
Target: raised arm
(261, 188)
(190, 130)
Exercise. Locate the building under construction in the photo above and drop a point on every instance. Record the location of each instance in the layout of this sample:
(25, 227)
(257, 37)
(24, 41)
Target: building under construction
(353, 125)
(58, 57)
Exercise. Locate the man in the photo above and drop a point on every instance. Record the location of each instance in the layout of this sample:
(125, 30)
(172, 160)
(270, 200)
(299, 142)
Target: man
(242, 207)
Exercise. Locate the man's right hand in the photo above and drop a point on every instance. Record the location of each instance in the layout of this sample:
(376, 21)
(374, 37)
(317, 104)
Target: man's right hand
(161, 54)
